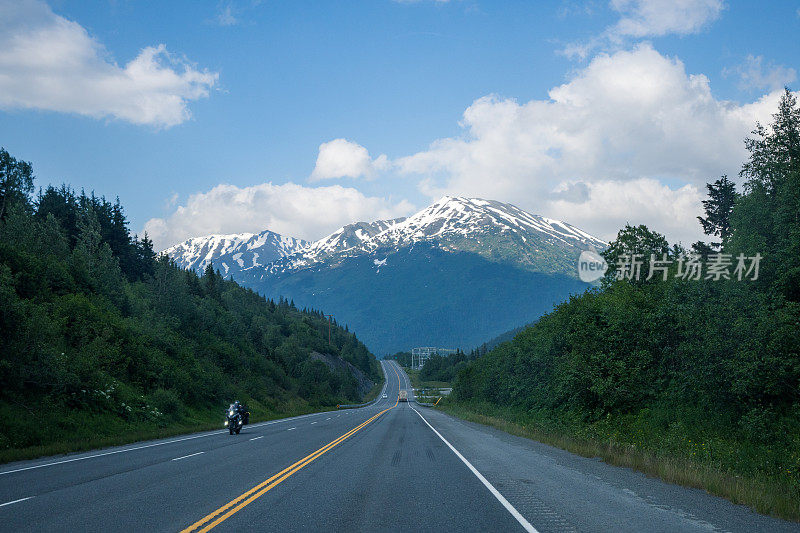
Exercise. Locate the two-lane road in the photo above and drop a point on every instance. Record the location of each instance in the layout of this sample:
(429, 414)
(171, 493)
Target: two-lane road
(387, 466)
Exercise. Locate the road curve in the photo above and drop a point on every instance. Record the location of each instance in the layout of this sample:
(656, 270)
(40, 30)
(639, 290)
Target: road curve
(386, 466)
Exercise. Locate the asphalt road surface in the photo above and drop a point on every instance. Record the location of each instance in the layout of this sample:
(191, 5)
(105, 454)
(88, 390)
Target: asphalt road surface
(388, 466)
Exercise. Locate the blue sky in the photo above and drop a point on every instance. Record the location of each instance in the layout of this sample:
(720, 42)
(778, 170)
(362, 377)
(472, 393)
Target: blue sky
(432, 97)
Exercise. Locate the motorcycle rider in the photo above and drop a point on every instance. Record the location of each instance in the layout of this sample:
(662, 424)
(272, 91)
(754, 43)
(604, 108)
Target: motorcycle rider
(242, 410)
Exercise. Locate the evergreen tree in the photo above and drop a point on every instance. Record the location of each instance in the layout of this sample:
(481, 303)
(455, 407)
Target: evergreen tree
(16, 182)
(722, 197)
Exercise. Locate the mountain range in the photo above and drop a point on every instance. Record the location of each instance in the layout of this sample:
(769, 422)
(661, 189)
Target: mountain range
(455, 274)
(235, 252)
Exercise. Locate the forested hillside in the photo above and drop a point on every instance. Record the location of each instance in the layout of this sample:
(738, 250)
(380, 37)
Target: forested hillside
(101, 338)
(698, 378)
(422, 293)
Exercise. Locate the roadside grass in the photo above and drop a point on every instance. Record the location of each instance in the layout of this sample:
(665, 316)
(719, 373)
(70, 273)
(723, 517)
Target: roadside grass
(81, 431)
(770, 495)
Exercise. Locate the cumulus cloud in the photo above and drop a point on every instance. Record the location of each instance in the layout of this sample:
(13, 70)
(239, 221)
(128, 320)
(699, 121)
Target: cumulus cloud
(341, 158)
(602, 149)
(289, 209)
(609, 204)
(51, 63)
(753, 74)
(651, 18)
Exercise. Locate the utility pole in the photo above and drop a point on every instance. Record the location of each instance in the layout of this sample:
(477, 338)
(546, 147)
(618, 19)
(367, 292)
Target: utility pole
(330, 319)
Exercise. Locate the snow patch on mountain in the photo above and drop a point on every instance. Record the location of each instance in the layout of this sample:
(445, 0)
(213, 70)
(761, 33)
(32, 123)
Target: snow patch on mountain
(247, 250)
(495, 230)
(490, 228)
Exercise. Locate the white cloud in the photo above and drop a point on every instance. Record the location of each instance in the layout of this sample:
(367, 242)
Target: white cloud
(753, 74)
(341, 158)
(609, 205)
(602, 149)
(226, 16)
(651, 18)
(289, 209)
(51, 63)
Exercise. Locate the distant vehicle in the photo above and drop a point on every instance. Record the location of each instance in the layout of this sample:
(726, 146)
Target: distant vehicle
(385, 395)
(403, 396)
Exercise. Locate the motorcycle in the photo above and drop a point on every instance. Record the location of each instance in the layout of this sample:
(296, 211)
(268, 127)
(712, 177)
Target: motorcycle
(234, 421)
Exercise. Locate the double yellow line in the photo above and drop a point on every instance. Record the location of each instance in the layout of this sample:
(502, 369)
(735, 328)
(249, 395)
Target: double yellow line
(212, 520)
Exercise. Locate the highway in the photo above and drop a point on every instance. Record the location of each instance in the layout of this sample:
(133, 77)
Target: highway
(387, 466)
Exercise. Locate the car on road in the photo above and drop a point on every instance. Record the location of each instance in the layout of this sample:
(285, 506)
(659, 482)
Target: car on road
(385, 395)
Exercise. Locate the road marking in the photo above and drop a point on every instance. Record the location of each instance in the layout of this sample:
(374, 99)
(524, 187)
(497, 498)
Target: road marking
(113, 452)
(15, 501)
(328, 418)
(256, 438)
(185, 456)
(211, 521)
(510, 508)
(290, 429)
(312, 423)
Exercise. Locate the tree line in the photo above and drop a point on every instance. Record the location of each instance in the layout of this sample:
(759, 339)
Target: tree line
(94, 325)
(703, 369)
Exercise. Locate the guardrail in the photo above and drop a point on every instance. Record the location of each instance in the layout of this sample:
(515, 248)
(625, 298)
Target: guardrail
(429, 404)
(354, 405)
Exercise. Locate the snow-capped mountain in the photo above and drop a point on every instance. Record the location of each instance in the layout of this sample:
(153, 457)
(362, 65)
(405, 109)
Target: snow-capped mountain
(495, 230)
(235, 252)
(456, 273)
(453, 218)
(350, 238)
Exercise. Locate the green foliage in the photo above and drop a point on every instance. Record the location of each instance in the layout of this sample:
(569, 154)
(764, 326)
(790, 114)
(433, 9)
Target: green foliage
(402, 358)
(635, 246)
(93, 326)
(445, 368)
(704, 370)
(16, 182)
(766, 219)
(722, 197)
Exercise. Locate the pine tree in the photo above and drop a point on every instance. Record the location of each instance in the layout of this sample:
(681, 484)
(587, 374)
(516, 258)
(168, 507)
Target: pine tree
(722, 197)
(16, 181)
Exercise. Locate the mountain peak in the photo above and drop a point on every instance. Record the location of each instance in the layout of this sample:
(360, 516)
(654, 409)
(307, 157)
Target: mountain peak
(234, 251)
(495, 230)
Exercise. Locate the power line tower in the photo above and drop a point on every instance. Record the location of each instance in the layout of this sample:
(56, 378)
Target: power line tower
(423, 353)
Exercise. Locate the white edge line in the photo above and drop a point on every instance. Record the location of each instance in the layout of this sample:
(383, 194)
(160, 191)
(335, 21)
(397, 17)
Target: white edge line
(256, 438)
(113, 452)
(15, 501)
(510, 508)
(185, 456)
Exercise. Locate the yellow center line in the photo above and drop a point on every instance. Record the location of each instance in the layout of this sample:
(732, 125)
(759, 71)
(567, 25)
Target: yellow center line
(214, 518)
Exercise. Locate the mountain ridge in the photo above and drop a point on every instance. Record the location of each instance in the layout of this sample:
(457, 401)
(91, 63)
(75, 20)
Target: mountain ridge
(497, 231)
(454, 274)
(229, 250)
